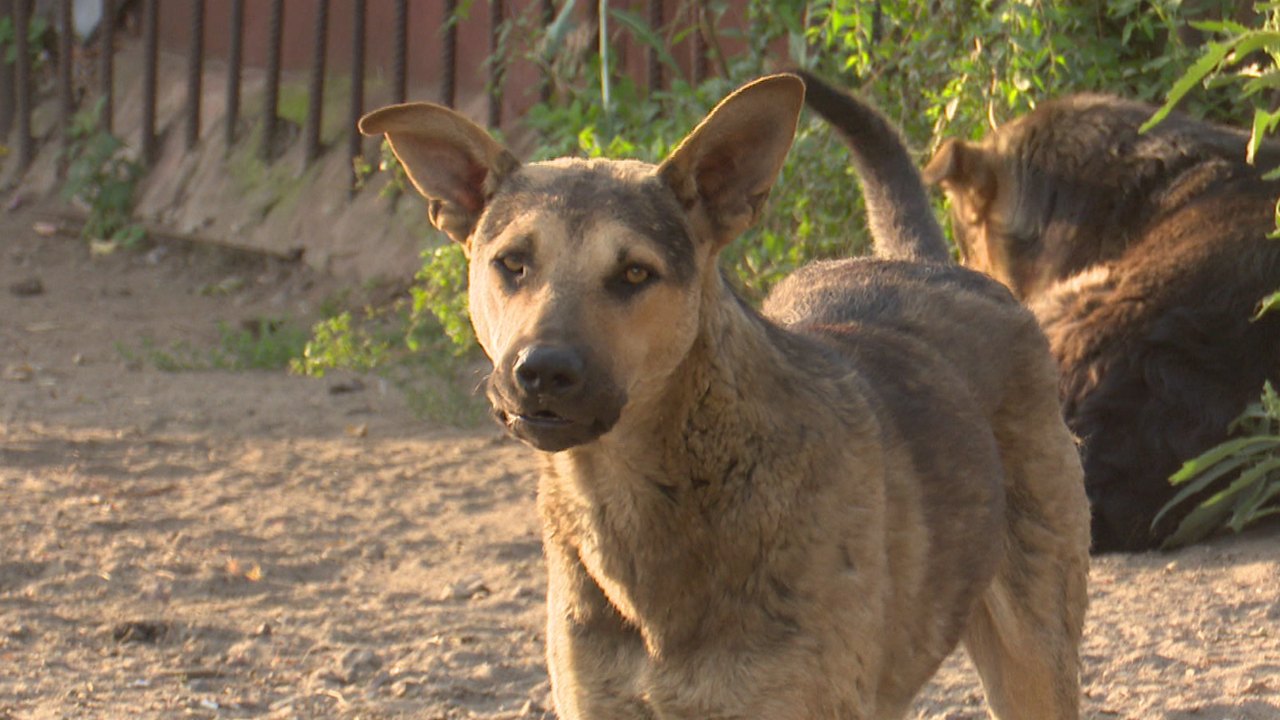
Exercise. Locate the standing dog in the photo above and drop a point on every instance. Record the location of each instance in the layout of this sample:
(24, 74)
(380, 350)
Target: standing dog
(1144, 256)
(789, 516)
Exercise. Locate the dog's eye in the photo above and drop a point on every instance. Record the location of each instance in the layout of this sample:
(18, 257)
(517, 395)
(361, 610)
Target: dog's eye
(636, 275)
(631, 280)
(511, 264)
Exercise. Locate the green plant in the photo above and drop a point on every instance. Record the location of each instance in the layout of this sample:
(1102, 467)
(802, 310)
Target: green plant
(1245, 468)
(264, 344)
(102, 176)
(1250, 462)
(37, 29)
(1243, 58)
(948, 68)
(335, 343)
(406, 346)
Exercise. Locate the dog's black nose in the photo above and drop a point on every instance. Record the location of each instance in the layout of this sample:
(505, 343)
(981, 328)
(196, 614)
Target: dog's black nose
(548, 370)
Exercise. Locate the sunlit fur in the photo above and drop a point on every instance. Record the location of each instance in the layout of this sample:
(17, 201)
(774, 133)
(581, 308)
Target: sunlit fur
(785, 515)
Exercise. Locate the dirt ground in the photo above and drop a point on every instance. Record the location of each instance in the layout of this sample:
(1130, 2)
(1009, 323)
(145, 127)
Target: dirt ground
(252, 544)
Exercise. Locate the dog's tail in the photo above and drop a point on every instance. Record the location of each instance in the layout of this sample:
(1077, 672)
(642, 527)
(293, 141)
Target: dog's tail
(901, 218)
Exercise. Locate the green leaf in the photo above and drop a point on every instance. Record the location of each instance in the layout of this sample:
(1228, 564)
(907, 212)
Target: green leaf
(1216, 26)
(1252, 41)
(1213, 56)
(1209, 515)
(646, 35)
(1248, 509)
(1266, 305)
(1263, 124)
(1202, 478)
(1216, 454)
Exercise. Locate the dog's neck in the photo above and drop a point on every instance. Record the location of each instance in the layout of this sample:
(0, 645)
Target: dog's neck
(689, 466)
(693, 430)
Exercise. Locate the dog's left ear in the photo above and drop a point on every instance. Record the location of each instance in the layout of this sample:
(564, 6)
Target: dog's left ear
(723, 170)
(454, 163)
(965, 171)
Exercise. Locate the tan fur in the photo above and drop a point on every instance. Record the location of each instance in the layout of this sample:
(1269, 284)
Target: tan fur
(784, 517)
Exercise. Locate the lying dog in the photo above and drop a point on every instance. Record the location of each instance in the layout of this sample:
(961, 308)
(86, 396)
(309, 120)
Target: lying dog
(1144, 257)
(794, 515)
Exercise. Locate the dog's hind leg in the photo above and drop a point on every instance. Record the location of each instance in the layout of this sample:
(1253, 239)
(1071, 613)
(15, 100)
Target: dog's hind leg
(1025, 632)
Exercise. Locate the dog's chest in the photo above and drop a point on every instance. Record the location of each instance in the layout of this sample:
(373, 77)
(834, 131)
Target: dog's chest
(643, 541)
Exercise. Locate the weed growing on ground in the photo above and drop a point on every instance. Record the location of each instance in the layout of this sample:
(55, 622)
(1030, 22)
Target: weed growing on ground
(262, 344)
(103, 177)
(1244, 470)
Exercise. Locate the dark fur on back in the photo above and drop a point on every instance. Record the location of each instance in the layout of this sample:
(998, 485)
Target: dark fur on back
(1144, 257)
(898, 210)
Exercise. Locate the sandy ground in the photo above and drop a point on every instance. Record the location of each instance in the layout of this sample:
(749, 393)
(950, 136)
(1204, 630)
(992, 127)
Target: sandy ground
(251, 544)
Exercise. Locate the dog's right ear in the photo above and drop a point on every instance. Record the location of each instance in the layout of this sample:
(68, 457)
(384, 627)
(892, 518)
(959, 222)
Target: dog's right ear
(966, 172)
(453, 162)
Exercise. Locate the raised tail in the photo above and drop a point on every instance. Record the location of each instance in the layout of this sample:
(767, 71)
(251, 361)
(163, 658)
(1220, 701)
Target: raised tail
(902, 222)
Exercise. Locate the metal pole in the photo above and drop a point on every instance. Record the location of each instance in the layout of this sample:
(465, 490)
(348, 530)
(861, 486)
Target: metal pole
(151, 42)
(66, 101)
(106, 74)
(496, 61)
(699, 45)
(22, 86)
(548, 17)
(194, 71)
(655, 64)
(272, 100)
(315, 104)
(355, 144)
(449, 55)
(604, 55)
(8, 93)
(235, 58)
(400, 51)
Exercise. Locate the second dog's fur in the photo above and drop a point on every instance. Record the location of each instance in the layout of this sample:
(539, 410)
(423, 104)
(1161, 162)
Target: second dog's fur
(785, 516)
(1144, 256)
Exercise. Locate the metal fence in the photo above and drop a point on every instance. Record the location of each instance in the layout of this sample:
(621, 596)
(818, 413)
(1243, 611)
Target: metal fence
(148, 12)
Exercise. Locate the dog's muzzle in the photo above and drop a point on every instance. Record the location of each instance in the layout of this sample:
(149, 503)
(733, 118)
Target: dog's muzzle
(552, 397)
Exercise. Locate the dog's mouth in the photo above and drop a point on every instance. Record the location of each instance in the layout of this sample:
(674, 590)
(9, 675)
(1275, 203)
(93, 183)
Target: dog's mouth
(541, 418)
(549, 431)
(539, 407)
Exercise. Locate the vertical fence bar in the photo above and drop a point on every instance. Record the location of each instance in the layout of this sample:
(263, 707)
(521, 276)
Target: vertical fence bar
(355, 144)
(655, 63)
(272, 99)
(449, 54)
(22, 81)
(8, 96)
(235, 58)
(496, 61)
(195, 68)
(698, 63)
(106, 60)
(150, 42)
(548, 17)
(315, 99)
(66, 101)
(400, 53)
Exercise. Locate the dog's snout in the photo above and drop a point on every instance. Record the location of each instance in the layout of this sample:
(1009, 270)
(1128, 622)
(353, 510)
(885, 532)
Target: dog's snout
(548, 370)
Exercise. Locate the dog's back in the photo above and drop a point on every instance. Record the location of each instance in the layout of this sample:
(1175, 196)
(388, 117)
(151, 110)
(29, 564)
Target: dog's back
(945, 349)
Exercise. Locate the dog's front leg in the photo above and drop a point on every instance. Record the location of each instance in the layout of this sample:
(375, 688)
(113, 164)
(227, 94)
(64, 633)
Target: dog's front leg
(596, 659)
